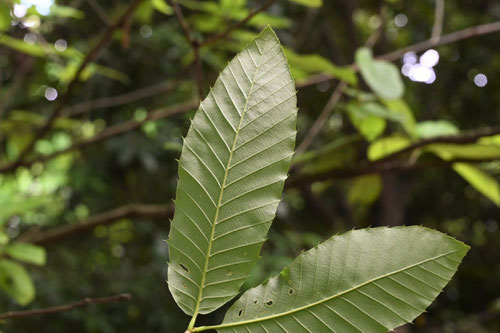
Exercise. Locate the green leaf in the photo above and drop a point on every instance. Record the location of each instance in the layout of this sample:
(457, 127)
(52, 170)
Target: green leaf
(162, 7)
(369, 280)
(304, 65)
(433, 128)
(29, 253)
(477, 178)
(21, 46)
(66, 11)
(366, 122)
(309, 3)
(232, 169)
(386, 146)
(400, 107)
(16, 282)
(466, 151)
(4, 239)
(381, 76)
(365, 190)
(5, 18)
(480, 180)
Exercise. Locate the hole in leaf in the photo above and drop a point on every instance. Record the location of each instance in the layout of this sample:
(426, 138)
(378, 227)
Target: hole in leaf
(239, 313)
(254, 301)
(290, 291)
(184, 268)
(270, 303)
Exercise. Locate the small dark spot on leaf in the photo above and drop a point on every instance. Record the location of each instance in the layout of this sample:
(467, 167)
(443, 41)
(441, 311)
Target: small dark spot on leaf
(254, 301)
(290, 291)
(270, 303)
(239, 313)
(184, 268)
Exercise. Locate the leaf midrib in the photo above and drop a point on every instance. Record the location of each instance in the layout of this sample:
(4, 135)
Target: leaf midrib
(221, 194)
(307, 306)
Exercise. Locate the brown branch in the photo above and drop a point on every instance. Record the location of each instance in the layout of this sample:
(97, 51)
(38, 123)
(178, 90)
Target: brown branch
(195, 45)
(376, 168)
(453, 37)
(108, 102)
(99, 11)
(63, 308)
(323, 117)
(109, 217)
(437, 28)
(92, 55)
(238, 24)
(106, 134)
(465, 137)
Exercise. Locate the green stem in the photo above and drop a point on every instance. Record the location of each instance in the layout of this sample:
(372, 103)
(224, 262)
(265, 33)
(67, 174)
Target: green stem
(191, 324)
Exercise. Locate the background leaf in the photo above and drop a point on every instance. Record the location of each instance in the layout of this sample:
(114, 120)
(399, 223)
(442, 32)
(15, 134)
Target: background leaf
(229, 187)
(381, 76)
(369, 280)
(16, 282)
(27, 252)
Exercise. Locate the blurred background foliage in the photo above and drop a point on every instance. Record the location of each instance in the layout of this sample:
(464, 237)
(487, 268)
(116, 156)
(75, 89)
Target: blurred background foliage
(85, 194)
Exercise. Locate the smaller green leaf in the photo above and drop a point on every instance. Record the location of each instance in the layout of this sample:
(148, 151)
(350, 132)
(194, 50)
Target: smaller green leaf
(4, 239)
(477, 178)
(66, 12)
(365, 190)
(433, 128)
(29, 253)
(369, 125)
(400, 107)
(162, 7)
(5, 18)
(480, 180)
(21, 46)
(386, 146)
(16, 282)
(471, 151)
(381, 76)
(309, 3)
(303, 65)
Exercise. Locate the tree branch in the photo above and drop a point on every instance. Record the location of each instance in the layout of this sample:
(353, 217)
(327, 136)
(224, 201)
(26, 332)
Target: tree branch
(377, 168)
(93, 54)
(105, 134)
(195, 45)
(107, 102)
(64, 308)
(238, 24)
(323, 117)
(453, 37)
(109, 217)
(465, 137)
(438, 21)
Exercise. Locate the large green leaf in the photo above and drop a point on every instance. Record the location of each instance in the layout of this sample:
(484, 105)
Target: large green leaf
(369, 280)
(232, 169)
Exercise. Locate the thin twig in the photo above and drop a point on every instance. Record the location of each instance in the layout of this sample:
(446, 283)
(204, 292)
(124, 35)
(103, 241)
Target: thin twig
(195, 45)
(106, 134)
(453, 37)
(323, 117)
(93, 54)
(238, 24)
(113, 101)
(64, 308)
(99, 11)
(438, 21)
(129, 211)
